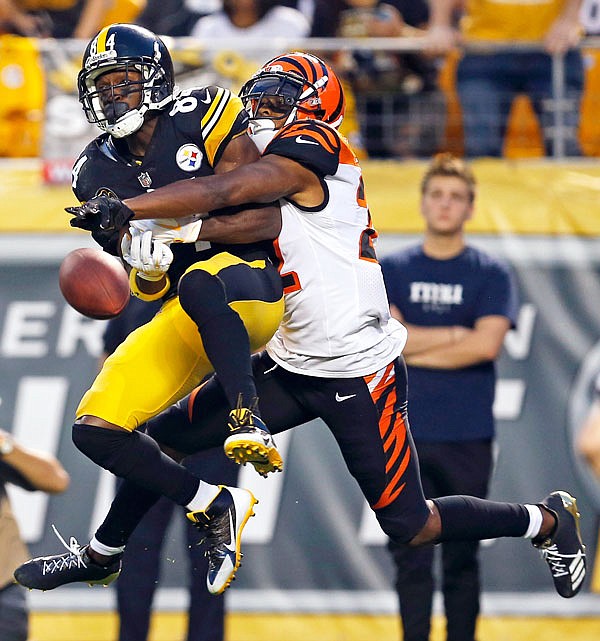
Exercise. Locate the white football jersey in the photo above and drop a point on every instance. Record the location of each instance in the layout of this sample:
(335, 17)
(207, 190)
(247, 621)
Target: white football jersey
(336, 321)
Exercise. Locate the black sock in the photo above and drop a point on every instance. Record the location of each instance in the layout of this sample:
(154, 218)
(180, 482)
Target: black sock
(466, 518)
(223, 333)
(136, 457)
(233, 373)
(130, 505)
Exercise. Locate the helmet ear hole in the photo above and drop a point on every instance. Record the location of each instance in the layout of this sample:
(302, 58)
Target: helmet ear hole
(160, 93)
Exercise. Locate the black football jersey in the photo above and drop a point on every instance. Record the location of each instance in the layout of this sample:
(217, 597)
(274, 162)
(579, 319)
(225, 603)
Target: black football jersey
(188, 142)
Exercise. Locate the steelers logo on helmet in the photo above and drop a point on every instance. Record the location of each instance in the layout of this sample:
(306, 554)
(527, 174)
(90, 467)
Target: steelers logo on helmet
(139, 64)
(189, 157)
(295, 86)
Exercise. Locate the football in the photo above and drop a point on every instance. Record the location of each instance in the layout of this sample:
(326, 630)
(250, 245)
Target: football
(94, 283)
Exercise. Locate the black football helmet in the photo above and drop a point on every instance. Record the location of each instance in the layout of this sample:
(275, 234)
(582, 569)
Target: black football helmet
(125, 47)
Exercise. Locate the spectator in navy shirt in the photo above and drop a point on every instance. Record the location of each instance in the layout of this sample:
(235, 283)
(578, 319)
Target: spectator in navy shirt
(457, 303)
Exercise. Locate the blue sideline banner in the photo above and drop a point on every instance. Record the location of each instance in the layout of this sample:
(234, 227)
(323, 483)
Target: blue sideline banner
(313, 531)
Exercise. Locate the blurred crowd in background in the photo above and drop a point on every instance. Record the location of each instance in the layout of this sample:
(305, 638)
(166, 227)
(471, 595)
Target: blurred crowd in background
(403, 101)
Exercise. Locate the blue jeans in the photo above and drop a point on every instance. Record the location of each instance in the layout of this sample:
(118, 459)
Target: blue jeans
(488, 83)
(14, 614)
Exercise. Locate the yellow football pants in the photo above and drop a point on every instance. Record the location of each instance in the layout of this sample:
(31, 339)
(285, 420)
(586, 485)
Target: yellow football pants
(162, 361)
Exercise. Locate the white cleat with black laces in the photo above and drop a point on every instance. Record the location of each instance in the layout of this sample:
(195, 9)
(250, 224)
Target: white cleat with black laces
(563, 550)
(221, 524)
(49, 572)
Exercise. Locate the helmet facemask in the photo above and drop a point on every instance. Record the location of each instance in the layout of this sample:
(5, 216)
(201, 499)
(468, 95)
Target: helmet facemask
(305, 86)
(287, 96)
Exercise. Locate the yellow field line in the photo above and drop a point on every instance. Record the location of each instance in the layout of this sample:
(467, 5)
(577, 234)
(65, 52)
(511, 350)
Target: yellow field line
(170, 626)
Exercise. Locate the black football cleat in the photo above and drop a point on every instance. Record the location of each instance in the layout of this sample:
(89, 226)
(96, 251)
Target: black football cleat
(49, 572)
(563, 550)
(221, 524)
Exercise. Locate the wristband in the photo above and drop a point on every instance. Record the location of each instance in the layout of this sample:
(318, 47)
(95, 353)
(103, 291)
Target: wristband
(138, 293)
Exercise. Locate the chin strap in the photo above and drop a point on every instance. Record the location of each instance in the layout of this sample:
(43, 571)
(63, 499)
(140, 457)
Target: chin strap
(127, 124)
(261, 131)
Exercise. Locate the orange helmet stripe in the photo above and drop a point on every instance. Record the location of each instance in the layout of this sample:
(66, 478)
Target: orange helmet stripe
(327, 102)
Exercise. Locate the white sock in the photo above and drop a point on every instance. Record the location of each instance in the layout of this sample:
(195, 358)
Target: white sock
(106, 550)
(203, 497)
(535, 521)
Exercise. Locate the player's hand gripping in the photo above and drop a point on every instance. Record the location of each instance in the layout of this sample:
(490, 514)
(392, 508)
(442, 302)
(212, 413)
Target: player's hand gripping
(150, 257)
(101, 212)
(104, 217)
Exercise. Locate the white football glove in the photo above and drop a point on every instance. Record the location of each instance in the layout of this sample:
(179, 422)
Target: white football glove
(150, 257)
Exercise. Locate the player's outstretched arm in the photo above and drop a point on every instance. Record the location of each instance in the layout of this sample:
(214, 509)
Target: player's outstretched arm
(252, 221)
(264, 181)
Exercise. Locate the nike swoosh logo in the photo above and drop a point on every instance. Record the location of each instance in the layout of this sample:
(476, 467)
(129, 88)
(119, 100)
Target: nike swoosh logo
(340, 399)
(270, 369)
(206, 100)
(230, 547)
(305, 141)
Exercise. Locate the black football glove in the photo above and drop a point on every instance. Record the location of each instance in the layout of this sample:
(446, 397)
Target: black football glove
(100, 214)
(108, 240)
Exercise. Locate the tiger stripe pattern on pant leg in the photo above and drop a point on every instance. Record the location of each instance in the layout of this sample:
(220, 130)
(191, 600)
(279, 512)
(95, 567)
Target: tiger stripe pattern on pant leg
(392, 427)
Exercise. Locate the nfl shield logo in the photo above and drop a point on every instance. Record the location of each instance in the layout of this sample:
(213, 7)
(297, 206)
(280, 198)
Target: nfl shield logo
(145, 180)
